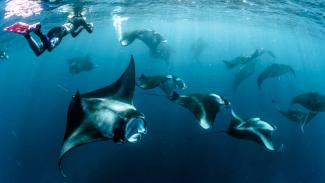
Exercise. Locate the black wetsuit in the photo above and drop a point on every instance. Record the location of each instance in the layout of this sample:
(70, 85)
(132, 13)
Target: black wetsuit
(53, 38)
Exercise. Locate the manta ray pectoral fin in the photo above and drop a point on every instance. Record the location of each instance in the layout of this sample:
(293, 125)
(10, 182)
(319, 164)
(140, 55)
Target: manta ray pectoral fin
(266, 138)
(122, 90)
(77, 133)
(81, 136)
(235, 120)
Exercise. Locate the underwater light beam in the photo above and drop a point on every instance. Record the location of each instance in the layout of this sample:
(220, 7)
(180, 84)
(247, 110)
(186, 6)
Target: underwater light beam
(117, 23)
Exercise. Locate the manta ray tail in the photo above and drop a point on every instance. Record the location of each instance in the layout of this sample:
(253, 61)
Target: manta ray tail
(302, 124)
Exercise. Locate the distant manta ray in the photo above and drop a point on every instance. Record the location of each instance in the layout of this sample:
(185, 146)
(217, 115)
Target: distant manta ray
(252, 129)
(312, 101)
(156, 43)
(242, 60)
(298, 116)
(167, 83)
(204, 106)
(104, 114)
(273, 71)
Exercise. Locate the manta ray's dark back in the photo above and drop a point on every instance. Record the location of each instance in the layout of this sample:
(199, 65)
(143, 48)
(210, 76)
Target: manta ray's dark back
(122, 89)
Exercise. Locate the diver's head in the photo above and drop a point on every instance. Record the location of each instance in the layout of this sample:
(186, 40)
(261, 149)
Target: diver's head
(134, 130)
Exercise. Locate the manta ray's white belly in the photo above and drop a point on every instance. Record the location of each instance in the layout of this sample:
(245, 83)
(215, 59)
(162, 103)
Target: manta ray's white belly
(105, 113)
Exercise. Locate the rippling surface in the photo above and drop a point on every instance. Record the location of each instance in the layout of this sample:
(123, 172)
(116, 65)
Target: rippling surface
(287, 10)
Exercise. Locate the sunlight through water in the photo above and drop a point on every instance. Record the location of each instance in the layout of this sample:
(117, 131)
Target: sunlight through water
(22, 8)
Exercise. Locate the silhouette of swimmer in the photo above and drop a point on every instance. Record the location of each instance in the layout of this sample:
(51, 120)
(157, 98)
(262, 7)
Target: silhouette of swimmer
(53, 38)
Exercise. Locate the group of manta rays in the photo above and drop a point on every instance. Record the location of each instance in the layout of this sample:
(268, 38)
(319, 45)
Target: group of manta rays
(109, 114)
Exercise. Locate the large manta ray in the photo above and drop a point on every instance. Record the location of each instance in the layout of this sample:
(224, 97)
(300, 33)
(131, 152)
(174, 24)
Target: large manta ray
(298, 116)
(253, 129)
(273, 71)
(156, 43)
(312, 101)
(204, 106)
(242, 60)
(167, 83)
(104, 114)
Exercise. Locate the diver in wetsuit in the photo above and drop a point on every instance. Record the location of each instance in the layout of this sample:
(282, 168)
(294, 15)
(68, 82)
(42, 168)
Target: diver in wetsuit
(74, 26)
(53, 38)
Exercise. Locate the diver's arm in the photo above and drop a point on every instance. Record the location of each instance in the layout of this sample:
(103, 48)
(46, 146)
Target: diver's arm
(76, 32)
(89, 27)
(37, 48)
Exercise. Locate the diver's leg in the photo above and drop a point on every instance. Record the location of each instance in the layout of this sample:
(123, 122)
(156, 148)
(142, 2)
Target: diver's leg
(44, 39)
(37, 48)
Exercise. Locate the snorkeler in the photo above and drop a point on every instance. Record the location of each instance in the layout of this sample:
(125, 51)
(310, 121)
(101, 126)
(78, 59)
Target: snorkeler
(74, 26)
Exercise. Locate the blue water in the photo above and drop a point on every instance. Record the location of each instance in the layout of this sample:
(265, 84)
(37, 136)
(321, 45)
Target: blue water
(36, 91)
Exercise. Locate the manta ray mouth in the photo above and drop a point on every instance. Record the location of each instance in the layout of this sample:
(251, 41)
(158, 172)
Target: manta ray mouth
(134, 130)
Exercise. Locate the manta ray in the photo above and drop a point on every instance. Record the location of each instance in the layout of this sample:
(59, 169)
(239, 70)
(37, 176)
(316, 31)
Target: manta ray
(298, 116)
(204, 106)
(104, 114)
(312, 101)
(274, 71)
(252, 129)
(242, 60)
(156, 43)
(167, 83)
